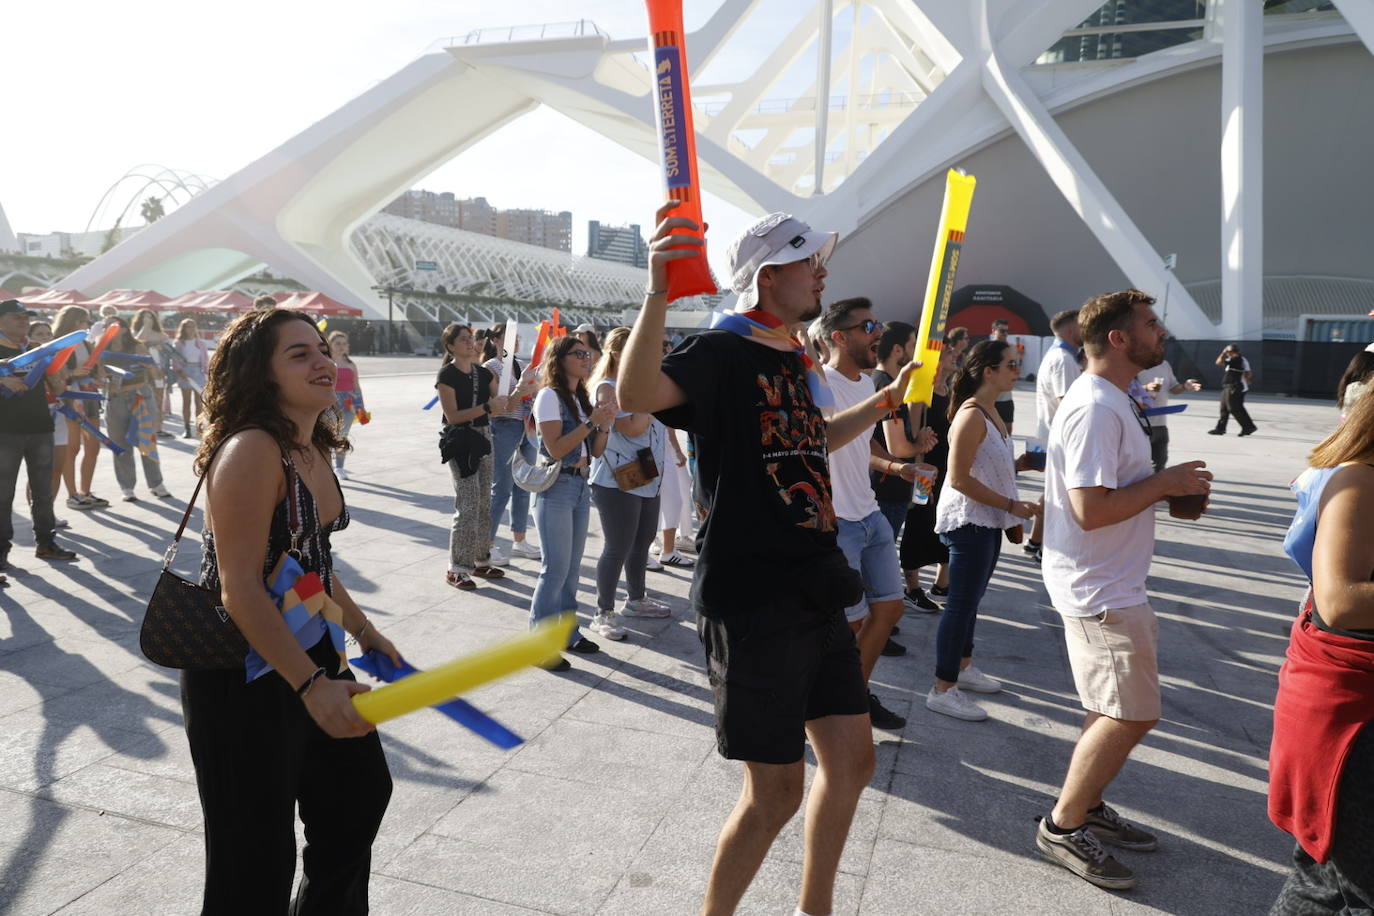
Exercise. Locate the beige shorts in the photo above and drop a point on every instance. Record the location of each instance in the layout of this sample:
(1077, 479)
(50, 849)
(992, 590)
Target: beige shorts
(1115, 662)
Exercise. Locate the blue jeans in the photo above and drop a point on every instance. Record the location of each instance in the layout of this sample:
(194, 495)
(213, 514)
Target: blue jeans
(973, 553)
(506, 434)
(895, 513)
(561, 513)
(872, 553)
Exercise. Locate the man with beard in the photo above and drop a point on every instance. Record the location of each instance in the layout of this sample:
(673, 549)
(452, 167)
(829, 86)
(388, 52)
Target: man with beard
(771, 583)
(1100, 494)
(865, 535)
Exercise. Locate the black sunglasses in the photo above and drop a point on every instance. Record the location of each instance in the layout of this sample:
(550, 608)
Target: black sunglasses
(869, 326)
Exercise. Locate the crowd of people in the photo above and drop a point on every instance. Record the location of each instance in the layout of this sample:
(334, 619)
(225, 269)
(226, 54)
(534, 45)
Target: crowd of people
(819, 500)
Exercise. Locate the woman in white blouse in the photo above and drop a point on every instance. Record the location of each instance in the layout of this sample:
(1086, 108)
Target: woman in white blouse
(977, 504)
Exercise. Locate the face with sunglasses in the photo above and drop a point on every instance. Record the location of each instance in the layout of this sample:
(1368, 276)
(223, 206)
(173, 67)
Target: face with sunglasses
(858, 339)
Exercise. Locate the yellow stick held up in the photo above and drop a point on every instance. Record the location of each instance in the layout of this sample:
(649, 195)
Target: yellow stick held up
(949, 243)
(428, 688)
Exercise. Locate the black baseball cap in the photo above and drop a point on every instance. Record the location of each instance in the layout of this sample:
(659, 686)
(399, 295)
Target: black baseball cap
(11, 306)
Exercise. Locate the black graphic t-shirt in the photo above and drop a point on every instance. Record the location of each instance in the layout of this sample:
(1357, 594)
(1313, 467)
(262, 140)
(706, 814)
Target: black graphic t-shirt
(762, 474)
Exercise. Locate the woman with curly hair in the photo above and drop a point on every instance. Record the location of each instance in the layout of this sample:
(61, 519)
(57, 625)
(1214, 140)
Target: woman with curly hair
(572, 432)
(290, 738)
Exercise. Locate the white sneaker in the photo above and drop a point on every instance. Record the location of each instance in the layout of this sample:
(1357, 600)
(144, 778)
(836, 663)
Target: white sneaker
(341, 473)
(129, 495)
(605, 625)
(678, 560)
(646, 607)
(978, 682)
(76, 502)
(497, 558)
(955, 704)
(652, 564)
(60, 523)
(525, 551)
(160, 491)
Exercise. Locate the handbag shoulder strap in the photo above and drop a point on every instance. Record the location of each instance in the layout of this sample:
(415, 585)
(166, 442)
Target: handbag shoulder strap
(292, 494)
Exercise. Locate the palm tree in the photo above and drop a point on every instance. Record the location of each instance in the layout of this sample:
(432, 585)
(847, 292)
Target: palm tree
(152, 210)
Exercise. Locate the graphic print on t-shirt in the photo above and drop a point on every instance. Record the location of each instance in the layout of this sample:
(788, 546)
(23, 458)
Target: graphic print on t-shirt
(793, 450)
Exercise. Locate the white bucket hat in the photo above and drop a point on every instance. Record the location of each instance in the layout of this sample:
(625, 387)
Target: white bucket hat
(778, 238)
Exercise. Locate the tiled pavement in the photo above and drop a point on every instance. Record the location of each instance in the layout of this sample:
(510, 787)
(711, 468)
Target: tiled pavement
(613, 804)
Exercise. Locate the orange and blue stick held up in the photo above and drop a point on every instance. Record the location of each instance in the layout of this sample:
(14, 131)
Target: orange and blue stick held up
(677, 141)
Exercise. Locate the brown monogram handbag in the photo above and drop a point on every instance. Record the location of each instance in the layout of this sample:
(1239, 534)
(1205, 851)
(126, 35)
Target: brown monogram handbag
(185, 625)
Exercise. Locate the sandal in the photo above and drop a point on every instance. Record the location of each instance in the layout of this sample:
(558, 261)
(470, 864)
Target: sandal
(489, 572)
(459, 580)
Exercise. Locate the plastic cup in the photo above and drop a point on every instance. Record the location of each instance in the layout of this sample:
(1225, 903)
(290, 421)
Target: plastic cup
(926, 475)
(1187, 507)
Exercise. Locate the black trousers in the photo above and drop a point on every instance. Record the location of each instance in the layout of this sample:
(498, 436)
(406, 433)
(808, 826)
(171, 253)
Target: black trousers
(1233, 402)
(258, 755)
(1344, 884)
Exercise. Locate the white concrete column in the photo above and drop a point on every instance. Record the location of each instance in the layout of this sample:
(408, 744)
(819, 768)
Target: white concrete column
(826, 10)
(1241, 24)
(1360, 15)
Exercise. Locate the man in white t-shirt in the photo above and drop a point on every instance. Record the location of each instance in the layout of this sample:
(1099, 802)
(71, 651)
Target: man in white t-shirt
(1156, 384)
(1058, 370)
(864, 533)
(1100, 496)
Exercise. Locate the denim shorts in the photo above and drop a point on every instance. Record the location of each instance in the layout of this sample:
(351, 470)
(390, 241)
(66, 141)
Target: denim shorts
(869, 547)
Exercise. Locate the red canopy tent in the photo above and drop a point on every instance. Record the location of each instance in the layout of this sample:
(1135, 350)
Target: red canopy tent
(6, 294)
(54, 298)
(211, 300)
(129, 300)
(320, 304)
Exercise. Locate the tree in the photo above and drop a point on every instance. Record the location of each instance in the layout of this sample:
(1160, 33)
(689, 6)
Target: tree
(152, 210)
(111, 237)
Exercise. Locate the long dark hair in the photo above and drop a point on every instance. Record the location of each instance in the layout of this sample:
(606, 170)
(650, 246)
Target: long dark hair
(240, 393)
(449, 336)
(551, 375)
(968, 378)
(1359, 369)
(491, 343)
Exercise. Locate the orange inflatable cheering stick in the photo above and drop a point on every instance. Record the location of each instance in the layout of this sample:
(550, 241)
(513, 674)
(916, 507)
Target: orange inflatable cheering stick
(677, 141)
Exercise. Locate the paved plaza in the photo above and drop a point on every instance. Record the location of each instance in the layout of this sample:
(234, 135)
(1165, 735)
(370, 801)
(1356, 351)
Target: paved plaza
(613, 803)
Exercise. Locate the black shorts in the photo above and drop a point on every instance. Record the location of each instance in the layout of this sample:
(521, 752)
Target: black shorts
(1006, 410)
(774, 668)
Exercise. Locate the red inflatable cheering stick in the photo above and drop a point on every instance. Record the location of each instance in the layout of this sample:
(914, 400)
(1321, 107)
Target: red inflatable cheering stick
(677, 140)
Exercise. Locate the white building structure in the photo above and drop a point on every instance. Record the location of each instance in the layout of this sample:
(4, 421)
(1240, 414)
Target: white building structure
(1090, 170)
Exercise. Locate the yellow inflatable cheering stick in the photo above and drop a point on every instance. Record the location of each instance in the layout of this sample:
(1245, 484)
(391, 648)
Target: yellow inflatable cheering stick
(427, 688)
(930, 331)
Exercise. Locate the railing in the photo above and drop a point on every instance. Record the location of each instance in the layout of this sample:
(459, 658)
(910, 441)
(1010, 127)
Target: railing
(549, 31)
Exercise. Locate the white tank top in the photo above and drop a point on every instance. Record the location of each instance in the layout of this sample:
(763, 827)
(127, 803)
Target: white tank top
(994, 466)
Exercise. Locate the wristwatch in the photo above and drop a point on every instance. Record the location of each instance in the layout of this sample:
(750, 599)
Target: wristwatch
(593, 427)
(486, 408)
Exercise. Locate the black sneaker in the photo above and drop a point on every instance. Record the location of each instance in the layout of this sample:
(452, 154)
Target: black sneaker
(1082, 853)
(882, 717)
(1111, 828)
(1249, 432)
(940, 591)
(561, 665)
(53, 552)
(584, 646)
(893, 649)
(895, 630)
(1216, 432)
(915, 599)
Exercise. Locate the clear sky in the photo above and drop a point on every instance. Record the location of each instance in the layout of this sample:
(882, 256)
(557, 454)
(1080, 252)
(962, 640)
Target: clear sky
(95, 88)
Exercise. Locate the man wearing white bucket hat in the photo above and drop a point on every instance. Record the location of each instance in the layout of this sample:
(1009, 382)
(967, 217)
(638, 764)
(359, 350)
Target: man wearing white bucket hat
(771, 583)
